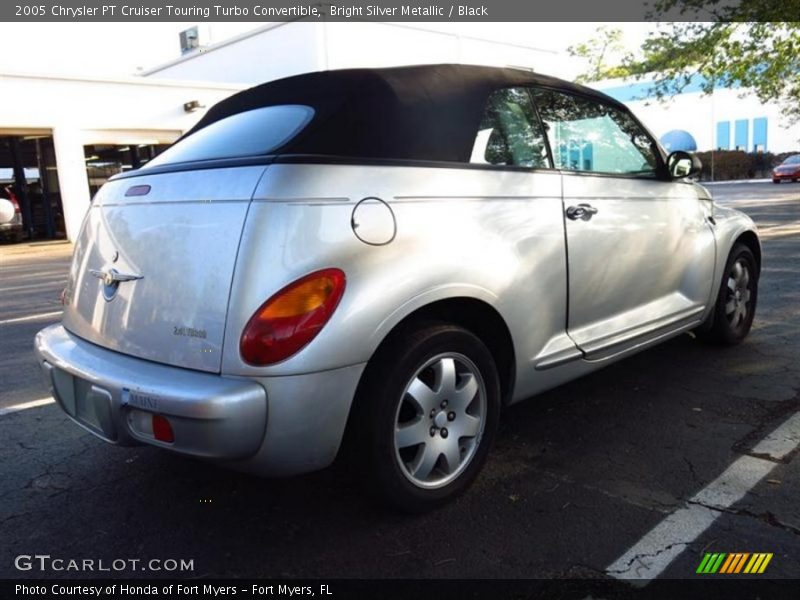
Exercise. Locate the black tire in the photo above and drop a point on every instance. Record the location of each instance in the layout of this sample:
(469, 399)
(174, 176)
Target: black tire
(381, 401)
(776, 181)
(726, 327)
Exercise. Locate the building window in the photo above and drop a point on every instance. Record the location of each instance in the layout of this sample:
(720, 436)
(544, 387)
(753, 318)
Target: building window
(760, 134)
(740, 134)
(724, 135)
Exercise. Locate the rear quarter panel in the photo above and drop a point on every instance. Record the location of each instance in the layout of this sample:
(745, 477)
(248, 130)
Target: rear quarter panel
(496, 236)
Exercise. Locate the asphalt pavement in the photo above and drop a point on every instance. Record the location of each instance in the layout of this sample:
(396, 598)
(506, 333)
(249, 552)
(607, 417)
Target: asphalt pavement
(578, 477)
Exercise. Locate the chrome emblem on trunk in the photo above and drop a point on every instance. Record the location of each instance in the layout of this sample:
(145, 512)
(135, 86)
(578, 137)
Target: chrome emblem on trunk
(111, 280)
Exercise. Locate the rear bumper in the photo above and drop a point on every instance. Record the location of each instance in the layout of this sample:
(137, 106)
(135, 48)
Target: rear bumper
(11, 228)
(269, 426)
(114, 397)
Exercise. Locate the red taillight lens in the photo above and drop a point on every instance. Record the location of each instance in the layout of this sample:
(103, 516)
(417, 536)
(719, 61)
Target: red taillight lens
(162, 430)
(13, 197)
(291, 318)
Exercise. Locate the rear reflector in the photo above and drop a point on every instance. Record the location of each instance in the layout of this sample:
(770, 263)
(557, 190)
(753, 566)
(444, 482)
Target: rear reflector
(162, 430)
(291, 318)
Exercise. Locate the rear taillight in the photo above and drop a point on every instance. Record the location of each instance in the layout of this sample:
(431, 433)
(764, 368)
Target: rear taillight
(162, 430)
(291, 318)
(13, 197)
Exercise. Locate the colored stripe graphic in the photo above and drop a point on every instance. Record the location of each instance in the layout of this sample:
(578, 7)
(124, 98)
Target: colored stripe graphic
(703, 563)
(758, 563)
(741, 562)
(728, 562)
(734, 563)
(711, 562)
(765, 563)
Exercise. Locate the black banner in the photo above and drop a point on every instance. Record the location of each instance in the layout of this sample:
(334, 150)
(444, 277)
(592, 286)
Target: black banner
(709, 588)
(390, 10)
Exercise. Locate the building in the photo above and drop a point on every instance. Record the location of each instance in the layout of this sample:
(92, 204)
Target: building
(61, 137)
(79, 131)
(727, 119)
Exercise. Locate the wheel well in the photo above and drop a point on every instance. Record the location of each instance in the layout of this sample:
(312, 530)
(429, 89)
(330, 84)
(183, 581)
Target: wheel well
(481, 319)
(749, 239)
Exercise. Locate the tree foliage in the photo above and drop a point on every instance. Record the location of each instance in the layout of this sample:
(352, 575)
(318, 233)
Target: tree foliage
(750, 44)
(599, 52)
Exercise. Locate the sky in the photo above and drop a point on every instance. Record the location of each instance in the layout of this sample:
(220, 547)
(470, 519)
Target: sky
(122, 49)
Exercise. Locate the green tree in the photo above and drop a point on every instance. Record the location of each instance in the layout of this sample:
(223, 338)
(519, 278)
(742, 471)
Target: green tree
(750, 44)
(599, 51)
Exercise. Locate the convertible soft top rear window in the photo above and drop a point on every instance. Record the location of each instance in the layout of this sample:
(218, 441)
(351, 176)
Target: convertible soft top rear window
(249, 133)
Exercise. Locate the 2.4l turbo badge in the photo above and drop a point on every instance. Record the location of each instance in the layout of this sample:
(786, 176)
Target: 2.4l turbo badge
(189, 332)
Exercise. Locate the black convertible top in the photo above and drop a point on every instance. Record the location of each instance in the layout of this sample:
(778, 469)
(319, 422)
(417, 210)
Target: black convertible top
(427, 112)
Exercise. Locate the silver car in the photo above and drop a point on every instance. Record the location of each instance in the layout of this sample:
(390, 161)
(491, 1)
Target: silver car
(379, 260)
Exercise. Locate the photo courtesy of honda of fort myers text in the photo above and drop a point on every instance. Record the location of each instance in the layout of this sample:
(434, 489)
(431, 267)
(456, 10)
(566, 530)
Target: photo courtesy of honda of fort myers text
(404, 300)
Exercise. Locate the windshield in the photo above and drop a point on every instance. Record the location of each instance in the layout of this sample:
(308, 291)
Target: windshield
(250, 133)
(792, 160)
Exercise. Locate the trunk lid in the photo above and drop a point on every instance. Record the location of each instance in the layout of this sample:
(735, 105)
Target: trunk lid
(152, 269)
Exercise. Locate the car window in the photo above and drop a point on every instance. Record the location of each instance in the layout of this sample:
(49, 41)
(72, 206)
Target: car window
(586, 135)
(792, 160)
(510, 132)
(249, 133)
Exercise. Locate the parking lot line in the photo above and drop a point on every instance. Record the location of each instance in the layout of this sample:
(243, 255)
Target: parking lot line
(36, 317)
(26, 405)
(652, 554)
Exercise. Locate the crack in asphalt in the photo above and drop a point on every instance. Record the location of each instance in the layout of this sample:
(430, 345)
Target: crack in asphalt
(692, 471)
(639, 557)
(767, 516)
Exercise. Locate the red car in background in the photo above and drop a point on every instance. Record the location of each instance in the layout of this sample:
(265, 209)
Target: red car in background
(788, 169)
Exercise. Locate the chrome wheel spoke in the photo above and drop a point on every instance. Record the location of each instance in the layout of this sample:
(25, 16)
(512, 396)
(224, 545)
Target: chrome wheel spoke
(468, 426)
(452, 456)
(426, 461)
(731, 284)
(445, 371)
(465, 394)
(746, 296)
(730, 306)
(745, 277)
(423, 396)
(412, 434)
(737, 271)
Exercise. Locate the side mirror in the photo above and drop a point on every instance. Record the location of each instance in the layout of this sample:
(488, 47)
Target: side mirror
(682, 164)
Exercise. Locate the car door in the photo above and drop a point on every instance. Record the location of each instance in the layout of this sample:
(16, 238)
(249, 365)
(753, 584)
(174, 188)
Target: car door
(523, 207)
(640, 250)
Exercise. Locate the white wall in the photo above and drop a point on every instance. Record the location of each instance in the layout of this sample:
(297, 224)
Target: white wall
(285, 49)
(85, 111)
(276, 51)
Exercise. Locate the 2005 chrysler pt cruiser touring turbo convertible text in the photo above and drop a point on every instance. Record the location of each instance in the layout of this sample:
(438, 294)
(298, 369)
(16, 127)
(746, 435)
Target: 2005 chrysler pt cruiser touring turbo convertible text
(380, 260)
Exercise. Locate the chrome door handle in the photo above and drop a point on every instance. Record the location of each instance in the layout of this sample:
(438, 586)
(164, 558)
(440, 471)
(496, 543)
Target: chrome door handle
(582, 211)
